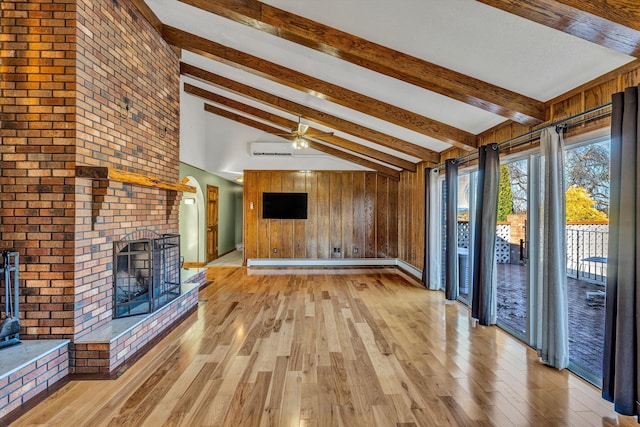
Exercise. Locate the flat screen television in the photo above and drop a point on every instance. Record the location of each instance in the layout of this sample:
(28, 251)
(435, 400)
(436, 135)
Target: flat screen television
(284, 205)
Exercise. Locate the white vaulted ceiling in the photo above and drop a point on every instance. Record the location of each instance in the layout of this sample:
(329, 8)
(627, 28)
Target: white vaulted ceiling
(462, 35)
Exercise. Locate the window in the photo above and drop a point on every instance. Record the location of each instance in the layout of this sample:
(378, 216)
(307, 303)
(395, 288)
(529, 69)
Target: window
(587, 200)
(512, 248)
(587, 203)
(466, 191)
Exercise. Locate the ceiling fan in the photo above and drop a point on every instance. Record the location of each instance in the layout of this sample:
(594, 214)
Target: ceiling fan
(300, 135)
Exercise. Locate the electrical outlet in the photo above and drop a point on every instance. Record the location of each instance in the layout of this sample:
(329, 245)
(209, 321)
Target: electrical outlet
(275, 250)
(355, 250)
(338, 250)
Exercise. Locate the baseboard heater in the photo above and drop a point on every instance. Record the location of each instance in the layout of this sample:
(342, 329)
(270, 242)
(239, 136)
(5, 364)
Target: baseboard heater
(342, 262)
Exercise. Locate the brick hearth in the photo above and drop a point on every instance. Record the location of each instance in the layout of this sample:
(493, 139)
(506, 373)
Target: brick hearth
(103, 351)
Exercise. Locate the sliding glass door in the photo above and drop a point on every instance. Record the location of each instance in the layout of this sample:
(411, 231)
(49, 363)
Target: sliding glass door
(587, 199)
(512, 249)
(465, 208)
(442, 194)
(518, 253)
(464, 223)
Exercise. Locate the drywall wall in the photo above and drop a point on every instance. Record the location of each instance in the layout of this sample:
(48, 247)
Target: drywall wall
(229, 216)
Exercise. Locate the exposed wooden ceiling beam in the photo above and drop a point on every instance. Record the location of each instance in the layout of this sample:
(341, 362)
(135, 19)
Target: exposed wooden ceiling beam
(146, 11)
(384, 170)
(308, 113)
(381, 169)
(281, 121)
(614, 24)
(378, 58)
(623, 12)
(320, 88)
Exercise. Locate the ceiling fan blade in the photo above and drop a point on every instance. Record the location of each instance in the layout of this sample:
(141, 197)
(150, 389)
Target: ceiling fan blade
(318, 134)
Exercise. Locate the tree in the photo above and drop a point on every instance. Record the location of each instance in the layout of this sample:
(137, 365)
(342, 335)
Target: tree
(588, 167)
(519, 174)
(580, 206)
(505, 195)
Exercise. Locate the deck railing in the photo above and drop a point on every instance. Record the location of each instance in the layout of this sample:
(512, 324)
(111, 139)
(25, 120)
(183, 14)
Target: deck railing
(587, 248)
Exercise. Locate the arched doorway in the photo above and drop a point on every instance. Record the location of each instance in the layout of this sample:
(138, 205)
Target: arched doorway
(192, 224)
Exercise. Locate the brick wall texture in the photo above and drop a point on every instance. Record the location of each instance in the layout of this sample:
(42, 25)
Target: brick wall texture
(84, 82)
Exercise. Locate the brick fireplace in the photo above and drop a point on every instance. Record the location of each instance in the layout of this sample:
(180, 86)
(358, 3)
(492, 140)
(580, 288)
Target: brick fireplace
(85, 83)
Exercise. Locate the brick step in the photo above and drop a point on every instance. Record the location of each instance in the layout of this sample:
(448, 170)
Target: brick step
(29, 368)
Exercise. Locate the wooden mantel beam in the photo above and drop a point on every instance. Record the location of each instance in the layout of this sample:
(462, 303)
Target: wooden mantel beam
(378, 58)
(614, 24)
(308, 113)
(114, 174)
(319, 88)
(382, 169)
(281, 121)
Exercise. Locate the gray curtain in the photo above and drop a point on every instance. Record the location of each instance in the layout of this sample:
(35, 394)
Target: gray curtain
(620, 381)
(432, 229)
(451, 242)
(553, 347)
(426, 270)
(434, 232)
(483, 303)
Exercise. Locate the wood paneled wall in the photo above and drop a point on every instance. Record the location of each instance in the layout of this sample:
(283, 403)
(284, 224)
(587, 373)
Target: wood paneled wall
(411, 217)
(346, 210)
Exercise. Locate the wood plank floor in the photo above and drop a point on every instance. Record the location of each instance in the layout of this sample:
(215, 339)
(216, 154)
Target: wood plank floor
(351, 347)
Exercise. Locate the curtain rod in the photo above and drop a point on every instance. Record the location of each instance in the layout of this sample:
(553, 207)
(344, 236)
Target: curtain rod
(560, 123)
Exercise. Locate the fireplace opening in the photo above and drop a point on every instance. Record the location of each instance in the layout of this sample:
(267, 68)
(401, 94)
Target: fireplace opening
(146, 274)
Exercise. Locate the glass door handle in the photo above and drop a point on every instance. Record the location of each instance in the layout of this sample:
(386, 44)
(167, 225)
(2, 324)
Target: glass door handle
(523, 250)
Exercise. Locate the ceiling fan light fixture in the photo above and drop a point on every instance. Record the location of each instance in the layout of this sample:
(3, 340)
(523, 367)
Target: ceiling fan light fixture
(299, 143)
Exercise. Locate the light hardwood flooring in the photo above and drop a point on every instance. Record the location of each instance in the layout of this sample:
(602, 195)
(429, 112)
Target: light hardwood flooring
(351, 347)
(234, 258)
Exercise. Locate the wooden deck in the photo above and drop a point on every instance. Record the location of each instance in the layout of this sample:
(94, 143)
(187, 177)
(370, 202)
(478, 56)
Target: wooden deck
(350, 347)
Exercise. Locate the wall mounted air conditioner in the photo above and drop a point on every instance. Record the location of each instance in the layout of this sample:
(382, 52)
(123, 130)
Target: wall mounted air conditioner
(280, 149)
(271, 149)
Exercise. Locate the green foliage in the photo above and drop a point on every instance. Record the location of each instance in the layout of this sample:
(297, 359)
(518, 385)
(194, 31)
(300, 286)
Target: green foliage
(580, 206)
(505, 194)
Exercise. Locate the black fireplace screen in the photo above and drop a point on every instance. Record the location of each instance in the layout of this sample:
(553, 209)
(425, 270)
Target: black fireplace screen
(146, 274)
(9, 322)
